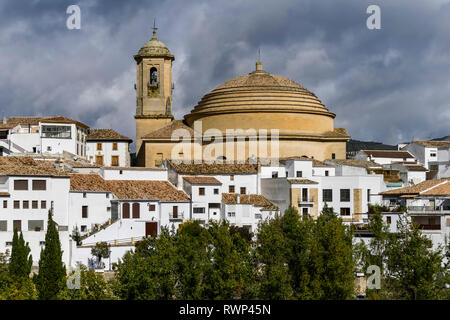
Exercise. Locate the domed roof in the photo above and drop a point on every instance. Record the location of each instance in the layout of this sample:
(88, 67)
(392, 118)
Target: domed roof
(154, 48)
(259, 91)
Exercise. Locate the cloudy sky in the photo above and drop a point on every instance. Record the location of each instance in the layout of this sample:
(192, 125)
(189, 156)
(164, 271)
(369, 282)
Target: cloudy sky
(387, 85)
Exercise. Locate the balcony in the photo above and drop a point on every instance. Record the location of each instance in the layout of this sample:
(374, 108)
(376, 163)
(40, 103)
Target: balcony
(305, 202)
(428, 210)
(173, 217)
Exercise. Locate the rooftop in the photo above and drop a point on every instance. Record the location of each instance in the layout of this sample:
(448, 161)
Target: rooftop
(418, 189)
(302, 181)
(254, 199)
(432, 143)
(212, 168)
(356, 163)
(35, 120)
(128, 189)
(201, 180)
(106, 135)
(389, 154)
(27, 166)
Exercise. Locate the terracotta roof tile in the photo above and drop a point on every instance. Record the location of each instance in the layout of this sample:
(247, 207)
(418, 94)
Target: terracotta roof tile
(201, 180)
(389, 154)
(128, 189)
(355, 163)
(416, 189)
(254, 199)
(27, 166)
(25, 121)
(105, 135)
(166, 131)
(440, 190)
(445, 144)
(302, 181)
(212, 168)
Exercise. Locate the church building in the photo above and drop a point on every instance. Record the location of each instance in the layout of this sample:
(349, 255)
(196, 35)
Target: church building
(230, 118)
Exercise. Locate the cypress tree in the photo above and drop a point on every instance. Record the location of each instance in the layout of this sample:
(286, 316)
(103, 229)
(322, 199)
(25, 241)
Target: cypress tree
(21, 260)
(52, 272)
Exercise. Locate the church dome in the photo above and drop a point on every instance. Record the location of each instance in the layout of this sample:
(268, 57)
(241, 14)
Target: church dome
(154, 48)
(261, 100)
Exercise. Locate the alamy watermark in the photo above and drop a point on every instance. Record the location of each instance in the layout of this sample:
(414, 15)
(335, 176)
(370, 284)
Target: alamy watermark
(74, 20)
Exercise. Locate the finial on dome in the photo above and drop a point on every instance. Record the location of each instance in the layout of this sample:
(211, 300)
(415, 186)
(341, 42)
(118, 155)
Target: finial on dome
(154, 28)
(259, 63)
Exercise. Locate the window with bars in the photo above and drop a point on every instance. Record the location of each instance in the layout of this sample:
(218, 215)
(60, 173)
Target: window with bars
(20, 184)
(345, 195)
(327, 195)
(84, 211)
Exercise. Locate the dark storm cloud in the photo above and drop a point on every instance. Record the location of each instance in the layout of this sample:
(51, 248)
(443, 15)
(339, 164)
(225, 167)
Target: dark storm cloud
(388, 85)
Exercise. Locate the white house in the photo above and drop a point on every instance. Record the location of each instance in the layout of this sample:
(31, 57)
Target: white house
(29, 189)
(434, 155)
(384, 156)
(106, 147)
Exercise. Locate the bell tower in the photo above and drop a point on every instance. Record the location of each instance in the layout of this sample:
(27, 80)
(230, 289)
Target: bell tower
(153, 88)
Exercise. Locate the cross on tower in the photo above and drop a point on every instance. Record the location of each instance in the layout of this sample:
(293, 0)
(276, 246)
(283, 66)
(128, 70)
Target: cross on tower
(154, 27)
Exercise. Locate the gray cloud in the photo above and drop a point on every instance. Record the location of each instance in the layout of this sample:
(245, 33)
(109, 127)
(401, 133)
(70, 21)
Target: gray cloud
(387, 85)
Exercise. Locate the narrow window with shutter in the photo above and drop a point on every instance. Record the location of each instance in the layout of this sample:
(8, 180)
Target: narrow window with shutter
(136, 213)
(126, 211)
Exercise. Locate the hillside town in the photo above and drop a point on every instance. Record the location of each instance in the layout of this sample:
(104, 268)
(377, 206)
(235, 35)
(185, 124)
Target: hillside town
(84, 176)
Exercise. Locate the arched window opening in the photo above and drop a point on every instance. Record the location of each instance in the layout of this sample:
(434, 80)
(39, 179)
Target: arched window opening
(153, 76)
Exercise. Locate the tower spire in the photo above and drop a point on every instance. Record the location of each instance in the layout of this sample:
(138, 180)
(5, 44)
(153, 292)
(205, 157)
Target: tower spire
(154, 28)
(259, 63)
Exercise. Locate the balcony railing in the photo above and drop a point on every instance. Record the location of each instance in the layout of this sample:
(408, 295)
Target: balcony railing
(305, 201)
(176, 216)
(428, 209)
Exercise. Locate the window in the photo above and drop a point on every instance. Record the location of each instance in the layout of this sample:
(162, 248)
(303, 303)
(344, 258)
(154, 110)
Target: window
(43, 204)
(34, 204)
(201, 191)
(16, 204)
(333, 156)
(136, 211)
(56, 132)
(216, 191)
(35, 225)
(274, 174)
(5, 203)
(126, 211)
(232, 178)
(327, 195)
(305, 210)
(99, 160)
(175, 212)
(231, 214)
(49, 148)
(345, 211)
(388, 220)
(84, 194)
(20, 184)
(83, 228)
(199, 210)
(108, 209)
(84, 211)
(25, 204)
(231, 189)
(39, 185)
(114, 146)
(3, 225)
(114, 161)
(99, 146)
(345, 195)
(299, 174)
(17, 224)
(152, 207)
(304, 194)
(326, 173)
(368, 195)
(243, 190)
(153, 76)
(107, 195)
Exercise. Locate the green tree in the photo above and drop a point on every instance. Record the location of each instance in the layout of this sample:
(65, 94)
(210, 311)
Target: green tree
(101, 250)
(92, 287)
(76, 236)
(273, 270)
(21, 260)
(52, 272)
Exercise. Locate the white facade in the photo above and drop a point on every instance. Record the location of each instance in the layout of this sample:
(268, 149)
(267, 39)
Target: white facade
(107, 150)
(59, 137)
(133, 173)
